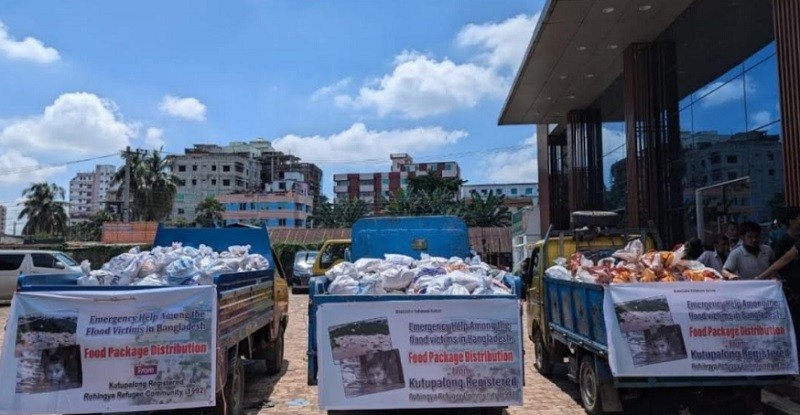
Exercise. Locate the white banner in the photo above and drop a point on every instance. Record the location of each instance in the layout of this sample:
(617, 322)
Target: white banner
(717, 329)
(103, 351)
(419, 354)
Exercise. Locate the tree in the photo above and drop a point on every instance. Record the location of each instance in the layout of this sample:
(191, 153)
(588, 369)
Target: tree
(153, 186)
(44, 207)
(209, 212)
(91, 230)
(429, 183)
(487, 212)
(338, 215)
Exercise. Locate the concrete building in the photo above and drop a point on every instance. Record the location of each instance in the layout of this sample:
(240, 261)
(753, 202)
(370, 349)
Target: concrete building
(529, 191)
(282, 204)
(89, 191)
(525, 230)
(664, 72)
(211, 170)
(373, 187)
(3, 213)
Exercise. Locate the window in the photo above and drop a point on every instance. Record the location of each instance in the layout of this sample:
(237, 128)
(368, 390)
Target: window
(514, 191)
(498, 191)
(226, 182)
(194, 182)
(528, 190)
(226, 167)
(242, 206)
(194, 167)
(731, 175)
(213, 182)
(43, 260)
(484, 192)
(403, 181)
(448, 166)
(281, 222)
(181, 168)
(181, 211)
(213, 167)
(11, 262)
(384, 182)
(367, 183)
(771, 172)
(733, 159)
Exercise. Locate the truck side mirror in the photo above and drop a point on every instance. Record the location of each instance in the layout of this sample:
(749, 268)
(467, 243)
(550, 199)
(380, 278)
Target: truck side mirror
(60, 265)
(347, 254)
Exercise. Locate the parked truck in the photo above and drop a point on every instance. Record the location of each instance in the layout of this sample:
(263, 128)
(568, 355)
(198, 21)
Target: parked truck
(566, 324)
(332, 317)
(251, 307)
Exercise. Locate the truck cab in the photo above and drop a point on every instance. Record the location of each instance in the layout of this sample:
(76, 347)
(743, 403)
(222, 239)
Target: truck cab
(332, 252)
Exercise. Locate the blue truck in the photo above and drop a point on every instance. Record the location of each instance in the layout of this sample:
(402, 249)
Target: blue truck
(251, 306)
(441, 236)
(566, 323)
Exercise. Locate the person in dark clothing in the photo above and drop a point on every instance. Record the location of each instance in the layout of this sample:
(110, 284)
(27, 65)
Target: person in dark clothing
(694, 248)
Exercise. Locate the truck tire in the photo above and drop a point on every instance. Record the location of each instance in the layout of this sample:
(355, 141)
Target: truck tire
(232, 403)
(590, 386)
(274, 356)
(541, 357)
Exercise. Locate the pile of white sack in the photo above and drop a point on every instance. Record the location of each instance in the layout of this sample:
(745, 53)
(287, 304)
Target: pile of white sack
(400, 274)
(172, 265)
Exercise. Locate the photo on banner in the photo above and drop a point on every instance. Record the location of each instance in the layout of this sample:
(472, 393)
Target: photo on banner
(650, 331)
(47, 353)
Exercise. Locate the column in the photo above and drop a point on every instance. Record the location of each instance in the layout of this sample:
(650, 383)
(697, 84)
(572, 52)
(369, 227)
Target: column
(653, 140)
(585, 155)
(553, 189)
(786, 22)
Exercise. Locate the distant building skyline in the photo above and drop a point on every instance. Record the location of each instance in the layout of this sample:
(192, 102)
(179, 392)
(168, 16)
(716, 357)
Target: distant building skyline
(89, 192)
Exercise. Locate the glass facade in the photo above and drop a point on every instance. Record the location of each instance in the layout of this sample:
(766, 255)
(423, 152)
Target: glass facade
(731, 147)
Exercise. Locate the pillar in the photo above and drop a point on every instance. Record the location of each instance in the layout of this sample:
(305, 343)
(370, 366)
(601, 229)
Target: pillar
(585, 157)
(653, 140)
(553, 189)
(786, 23)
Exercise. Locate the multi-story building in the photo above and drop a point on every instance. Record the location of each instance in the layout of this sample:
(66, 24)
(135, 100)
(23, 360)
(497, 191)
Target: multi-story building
(282, 204)
(277, 166)
(529, 191)
(373, 187)
(88, 192)
(210, 170)
(2, 219)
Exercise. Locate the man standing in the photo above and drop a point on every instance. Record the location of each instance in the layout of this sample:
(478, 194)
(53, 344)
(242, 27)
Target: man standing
(716, 258)
(750, 258)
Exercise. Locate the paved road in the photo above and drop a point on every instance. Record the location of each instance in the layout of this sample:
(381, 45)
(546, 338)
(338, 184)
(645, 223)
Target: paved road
(288, 394)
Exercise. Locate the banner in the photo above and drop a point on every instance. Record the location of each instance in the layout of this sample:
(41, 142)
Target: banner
(103, 351)
(419, 354)
(717, 329)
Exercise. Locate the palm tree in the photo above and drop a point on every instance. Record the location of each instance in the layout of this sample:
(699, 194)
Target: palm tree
(338, 215)
(487, 212)
(44, 207)
(153, 186)
(209, 212)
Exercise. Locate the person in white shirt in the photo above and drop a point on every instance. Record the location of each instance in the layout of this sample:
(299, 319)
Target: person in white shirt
(716, 258)
(751, 258)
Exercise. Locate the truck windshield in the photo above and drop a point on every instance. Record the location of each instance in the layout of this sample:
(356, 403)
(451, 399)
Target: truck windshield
(331, 254)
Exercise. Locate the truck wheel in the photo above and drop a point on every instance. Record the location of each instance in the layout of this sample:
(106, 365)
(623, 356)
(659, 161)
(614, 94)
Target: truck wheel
(274, 359)
(541, 356)
(590, 387)
(233, 400)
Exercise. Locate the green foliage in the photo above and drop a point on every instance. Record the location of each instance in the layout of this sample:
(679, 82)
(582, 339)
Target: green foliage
(44, 208)
(92, 230)
(430, 183)
(487, 212)
(209, 212)
(338, 215)
(153, 186)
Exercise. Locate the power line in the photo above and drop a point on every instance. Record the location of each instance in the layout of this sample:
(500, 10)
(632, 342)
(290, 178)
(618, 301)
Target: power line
(18, 170)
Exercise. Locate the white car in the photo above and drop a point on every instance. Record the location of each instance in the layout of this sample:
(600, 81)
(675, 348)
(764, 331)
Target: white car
(13, 263)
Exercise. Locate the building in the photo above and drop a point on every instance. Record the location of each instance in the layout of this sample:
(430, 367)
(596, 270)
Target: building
(277, 166)
(3, 212)
(525, 230)
(211, 170)
(282, 204)
(89, 192)
(373, 187)
(527, 191)
(678, 78)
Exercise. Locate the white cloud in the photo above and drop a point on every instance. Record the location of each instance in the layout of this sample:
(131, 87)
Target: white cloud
(189, 108)
(359, 145)
(30, 49)
(420, 86)
(760, 119)
(513, 166)
(77, 123)
(326, 91)
(17, 169)
(502, 44)
(153, 139)
(719, 93)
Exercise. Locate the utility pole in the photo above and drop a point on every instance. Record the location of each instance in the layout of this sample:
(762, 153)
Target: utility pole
(126, 195)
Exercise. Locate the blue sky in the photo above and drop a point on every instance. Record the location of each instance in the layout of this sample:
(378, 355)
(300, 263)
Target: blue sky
(341, 84)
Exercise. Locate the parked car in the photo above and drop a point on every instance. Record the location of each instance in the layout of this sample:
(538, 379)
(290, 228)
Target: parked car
(302, 270)
(15, 262)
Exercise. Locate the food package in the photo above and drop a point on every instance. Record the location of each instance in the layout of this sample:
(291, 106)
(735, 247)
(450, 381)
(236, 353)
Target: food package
(371, 285)
(344, 284)
(558, 272)
(632, 251)
(88, 281)
(342, 269)
(181, 271)
(151, 280)
(584, 275)
(397, 278)
(399, 259)
(470, 282)
(456, 289)
(367, 264)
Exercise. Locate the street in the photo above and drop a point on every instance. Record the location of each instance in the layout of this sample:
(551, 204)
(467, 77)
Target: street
(287, 393)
